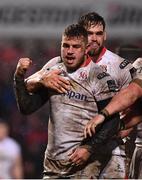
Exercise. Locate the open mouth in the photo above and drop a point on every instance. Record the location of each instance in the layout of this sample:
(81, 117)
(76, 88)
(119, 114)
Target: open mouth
(70, 60)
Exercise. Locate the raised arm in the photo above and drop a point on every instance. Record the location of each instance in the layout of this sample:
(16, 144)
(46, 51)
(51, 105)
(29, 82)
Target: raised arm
(27, 102)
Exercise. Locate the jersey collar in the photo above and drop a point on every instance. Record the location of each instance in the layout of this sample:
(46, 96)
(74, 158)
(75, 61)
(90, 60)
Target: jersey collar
(89, 58)
(101, 54)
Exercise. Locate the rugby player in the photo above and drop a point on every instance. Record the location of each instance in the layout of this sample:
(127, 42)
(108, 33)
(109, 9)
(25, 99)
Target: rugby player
(69, 112)
(117, 67)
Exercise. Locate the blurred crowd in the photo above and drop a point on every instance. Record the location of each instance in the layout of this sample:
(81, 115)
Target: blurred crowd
(29, 131)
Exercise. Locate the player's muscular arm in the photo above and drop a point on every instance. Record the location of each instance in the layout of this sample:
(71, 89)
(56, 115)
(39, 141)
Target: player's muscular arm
(27, 102)
(32, 82)
(47, 78)
(124, 99)
(134, 115)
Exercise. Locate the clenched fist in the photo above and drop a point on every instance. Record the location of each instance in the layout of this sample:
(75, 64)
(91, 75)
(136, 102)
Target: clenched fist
(22, 66)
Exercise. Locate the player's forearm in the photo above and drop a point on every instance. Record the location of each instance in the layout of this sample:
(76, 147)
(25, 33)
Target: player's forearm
(27, 103)
(33, 82)
(124, 99)
(134, 116)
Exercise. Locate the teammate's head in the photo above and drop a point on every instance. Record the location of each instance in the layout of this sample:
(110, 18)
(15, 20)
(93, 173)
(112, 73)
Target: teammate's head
(92, 18)
(95, 26)
(73, 46)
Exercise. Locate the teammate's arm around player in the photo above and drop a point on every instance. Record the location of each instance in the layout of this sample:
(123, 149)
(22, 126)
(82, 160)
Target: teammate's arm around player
(121, 101)
(52, 79)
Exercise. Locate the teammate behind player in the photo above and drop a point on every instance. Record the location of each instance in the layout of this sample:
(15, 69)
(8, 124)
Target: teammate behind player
(120, 70)
(123, 100)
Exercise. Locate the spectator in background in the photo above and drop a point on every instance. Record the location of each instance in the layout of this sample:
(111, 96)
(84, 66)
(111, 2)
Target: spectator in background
(10, 155)
(10, 51)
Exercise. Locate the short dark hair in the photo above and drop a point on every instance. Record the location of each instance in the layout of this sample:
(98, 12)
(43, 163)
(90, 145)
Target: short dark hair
(91, 18)
(75, 30)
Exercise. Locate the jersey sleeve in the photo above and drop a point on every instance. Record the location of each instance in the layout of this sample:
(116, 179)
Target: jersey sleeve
(126, 72)
(52, 62)
(103, 86)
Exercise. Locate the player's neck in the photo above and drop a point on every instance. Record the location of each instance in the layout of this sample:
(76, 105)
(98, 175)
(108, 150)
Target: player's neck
(97, 57)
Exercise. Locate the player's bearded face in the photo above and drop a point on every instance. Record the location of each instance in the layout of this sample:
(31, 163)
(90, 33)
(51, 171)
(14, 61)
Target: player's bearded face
(96, 39)
(72, 51)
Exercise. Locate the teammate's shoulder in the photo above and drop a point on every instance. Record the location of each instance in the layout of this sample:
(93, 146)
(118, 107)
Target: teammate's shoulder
(58, 65)
(122, 62)
(112, 57)
(52, 62)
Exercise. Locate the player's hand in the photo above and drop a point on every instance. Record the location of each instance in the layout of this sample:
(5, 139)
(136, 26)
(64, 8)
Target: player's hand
(89, 129)
(79, 156)
(55, 81)
(23, 65)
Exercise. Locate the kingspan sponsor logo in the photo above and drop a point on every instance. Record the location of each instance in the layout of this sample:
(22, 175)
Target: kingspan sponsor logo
(75, 95)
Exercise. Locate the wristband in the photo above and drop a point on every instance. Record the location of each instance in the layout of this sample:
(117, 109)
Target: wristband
(105, 113)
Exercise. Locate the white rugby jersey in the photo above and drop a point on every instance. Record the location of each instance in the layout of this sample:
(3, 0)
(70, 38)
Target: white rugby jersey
(69, 113)
(52, 62)
(117, 67)
(121, 71)
(9, 150)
